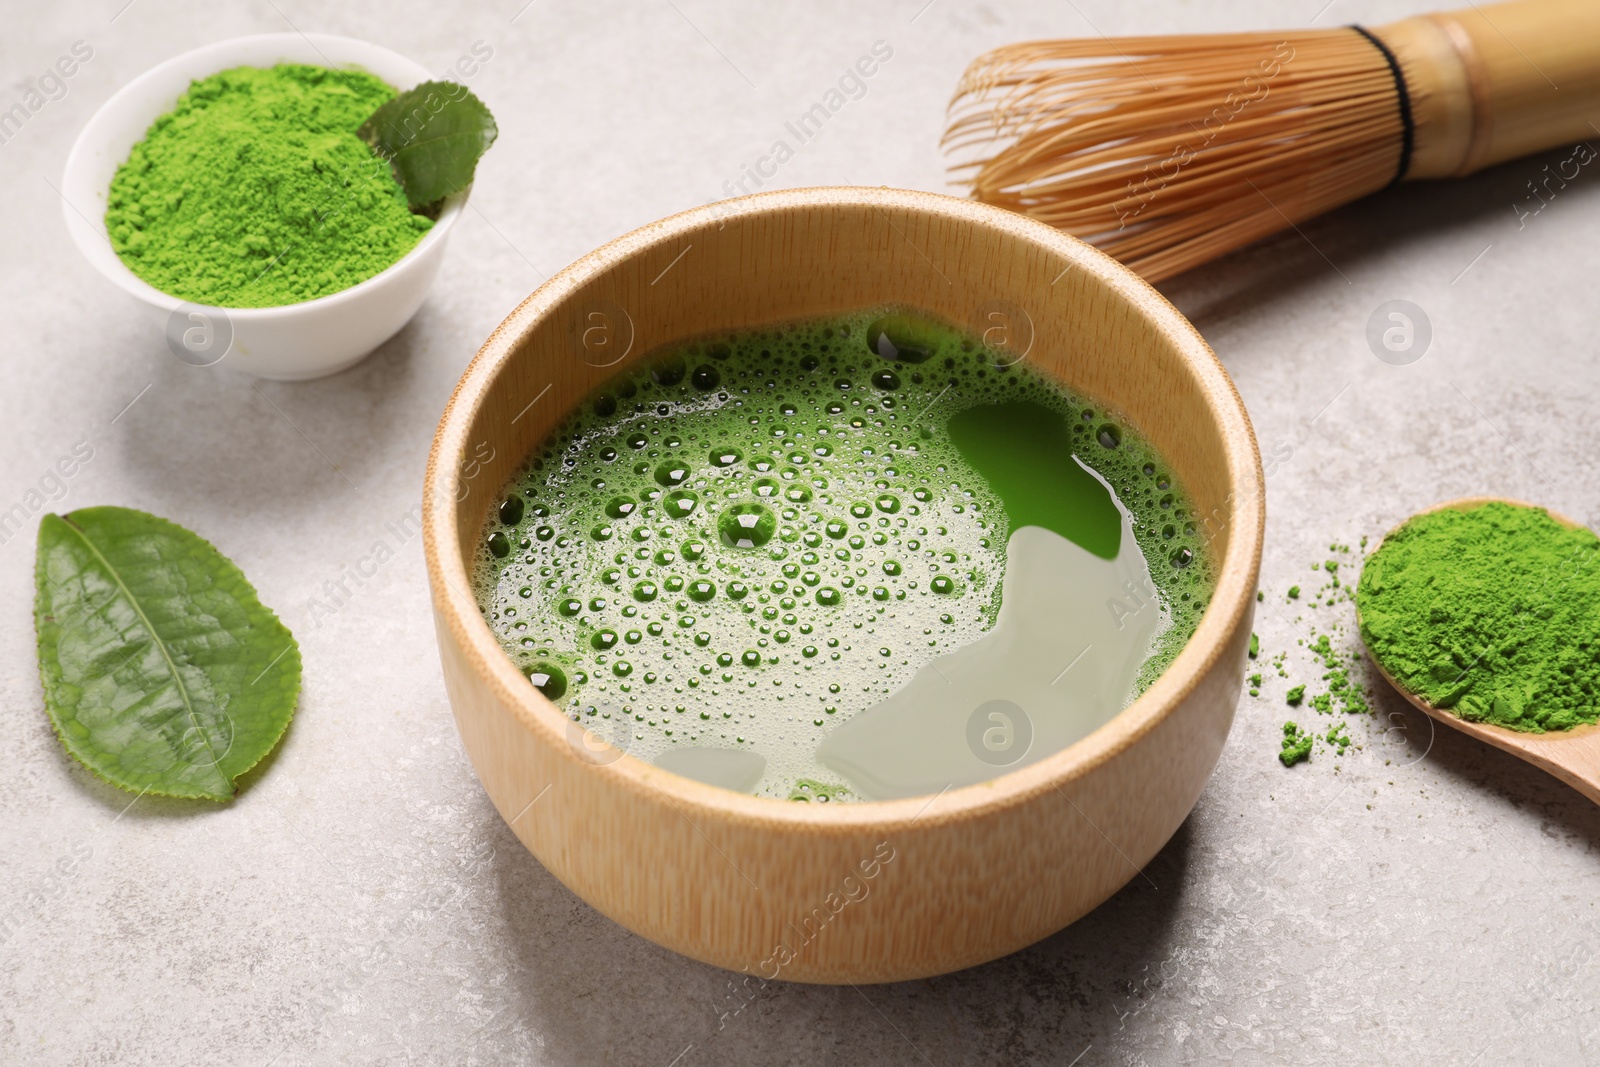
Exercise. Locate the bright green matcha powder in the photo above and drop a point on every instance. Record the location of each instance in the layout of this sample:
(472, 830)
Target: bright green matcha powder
(254, 190)
(1493, 613)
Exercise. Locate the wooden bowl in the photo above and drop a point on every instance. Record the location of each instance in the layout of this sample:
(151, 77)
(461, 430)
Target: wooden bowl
(867, 892)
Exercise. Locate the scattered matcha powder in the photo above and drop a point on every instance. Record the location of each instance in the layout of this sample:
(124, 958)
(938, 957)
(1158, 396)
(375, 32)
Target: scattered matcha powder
(1352, 700)
(1343, 690)
(254, 190)
(1296, 745)
(1492, 612)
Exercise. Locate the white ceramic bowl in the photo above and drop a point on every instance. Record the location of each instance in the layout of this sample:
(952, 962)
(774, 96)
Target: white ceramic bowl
(294, 341)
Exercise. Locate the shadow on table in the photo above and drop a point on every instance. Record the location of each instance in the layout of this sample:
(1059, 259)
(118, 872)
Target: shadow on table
(273, 449)
(1497, 774)
(1279, 269)
(599, 995)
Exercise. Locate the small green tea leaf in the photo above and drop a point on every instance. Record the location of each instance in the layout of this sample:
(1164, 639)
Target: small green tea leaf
(162, 671)
(432, 137)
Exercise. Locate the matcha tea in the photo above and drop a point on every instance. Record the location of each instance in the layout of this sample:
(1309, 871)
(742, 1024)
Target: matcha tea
(857, 558)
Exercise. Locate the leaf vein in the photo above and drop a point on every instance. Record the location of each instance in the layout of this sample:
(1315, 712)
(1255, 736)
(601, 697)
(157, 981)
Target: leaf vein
(150, 628)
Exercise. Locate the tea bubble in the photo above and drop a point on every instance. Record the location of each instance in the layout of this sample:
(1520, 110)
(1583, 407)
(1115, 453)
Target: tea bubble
(672, 473)
(680, 503)
(668, 370)
(548, 679)
(902, 338)
(747, 526)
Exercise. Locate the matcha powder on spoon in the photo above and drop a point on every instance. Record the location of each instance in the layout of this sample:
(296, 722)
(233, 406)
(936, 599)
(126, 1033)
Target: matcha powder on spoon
(255, 190)
(1492, 612)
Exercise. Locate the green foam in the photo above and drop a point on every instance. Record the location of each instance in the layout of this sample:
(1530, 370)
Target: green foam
(877, 496)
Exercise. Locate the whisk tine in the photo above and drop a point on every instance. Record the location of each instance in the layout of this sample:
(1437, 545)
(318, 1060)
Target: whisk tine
(1170, 151)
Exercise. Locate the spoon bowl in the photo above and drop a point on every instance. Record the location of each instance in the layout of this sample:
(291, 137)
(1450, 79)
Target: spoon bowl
(1570, 755)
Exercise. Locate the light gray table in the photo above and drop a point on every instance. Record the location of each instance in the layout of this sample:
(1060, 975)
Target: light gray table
(1423, 899)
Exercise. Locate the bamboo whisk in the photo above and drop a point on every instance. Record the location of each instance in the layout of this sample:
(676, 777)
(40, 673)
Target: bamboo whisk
(1167, 152)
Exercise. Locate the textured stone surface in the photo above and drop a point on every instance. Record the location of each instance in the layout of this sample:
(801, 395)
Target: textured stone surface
(1422, 899)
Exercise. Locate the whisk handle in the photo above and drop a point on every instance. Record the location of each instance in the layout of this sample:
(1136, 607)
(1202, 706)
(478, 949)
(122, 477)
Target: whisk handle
(1493, 82)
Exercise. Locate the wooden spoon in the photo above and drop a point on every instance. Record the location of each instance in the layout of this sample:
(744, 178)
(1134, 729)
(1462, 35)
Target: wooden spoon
(1571, 755)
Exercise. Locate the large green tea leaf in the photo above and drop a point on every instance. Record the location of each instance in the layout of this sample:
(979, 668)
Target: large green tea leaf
(432, 137)
(162, 671)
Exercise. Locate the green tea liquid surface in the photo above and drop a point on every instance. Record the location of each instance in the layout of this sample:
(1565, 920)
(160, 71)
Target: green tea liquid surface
(743, 542)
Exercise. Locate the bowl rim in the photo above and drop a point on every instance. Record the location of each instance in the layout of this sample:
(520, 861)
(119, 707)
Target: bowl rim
(456, 608)
(96, 133)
